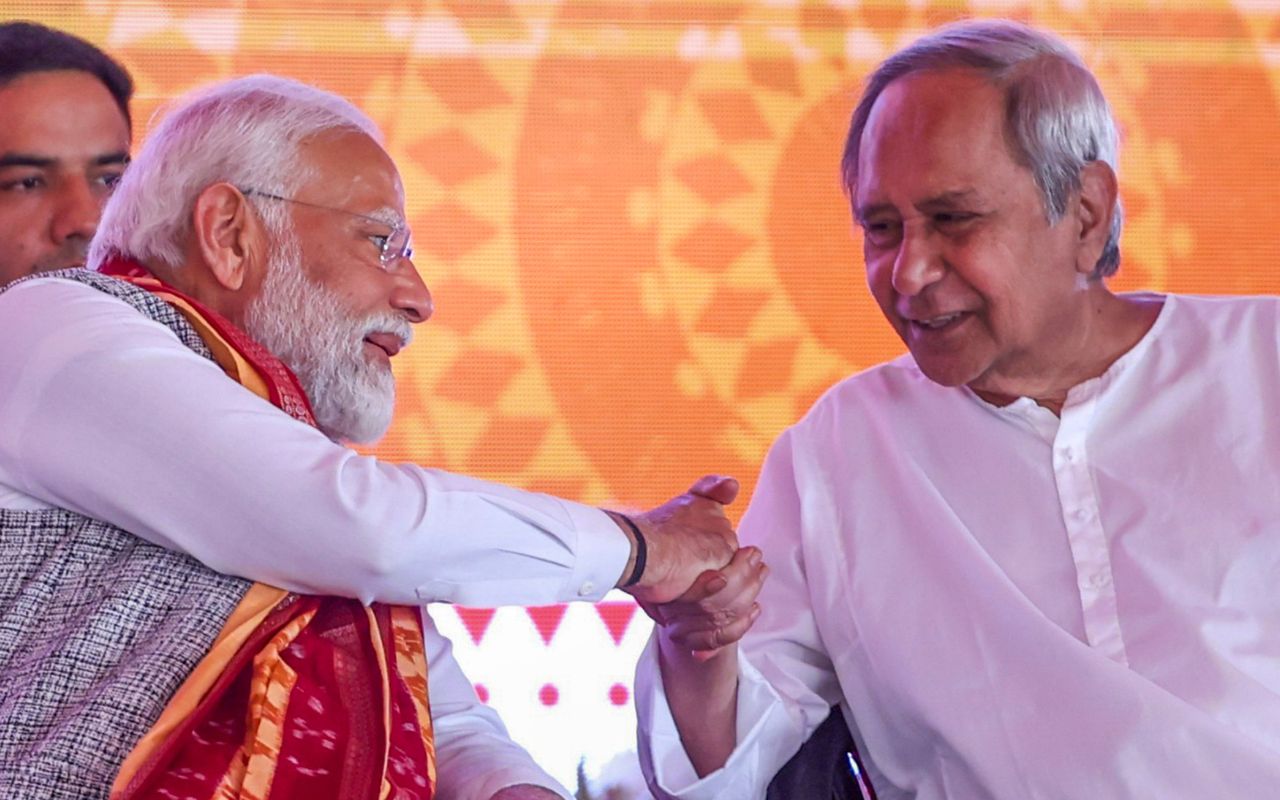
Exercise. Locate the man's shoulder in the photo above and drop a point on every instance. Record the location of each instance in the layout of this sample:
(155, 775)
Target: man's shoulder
(1222, 317)
(61, 284)
(1213, 304)
(97, 311)
(892, 389)
(875, 385)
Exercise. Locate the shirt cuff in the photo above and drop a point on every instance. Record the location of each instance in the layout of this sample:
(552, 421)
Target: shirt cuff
(761, 724)
(602, 552)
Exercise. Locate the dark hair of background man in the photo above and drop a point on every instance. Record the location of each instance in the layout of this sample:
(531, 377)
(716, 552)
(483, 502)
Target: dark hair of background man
(26, 47)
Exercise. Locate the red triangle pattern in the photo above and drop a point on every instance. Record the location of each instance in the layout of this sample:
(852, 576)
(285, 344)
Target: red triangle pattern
(475, 620)
(547, 619)
(616, 616)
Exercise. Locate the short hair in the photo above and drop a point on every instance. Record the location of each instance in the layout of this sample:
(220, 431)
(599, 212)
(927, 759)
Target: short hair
(1056, 117)
(26, 47)
(245, 132)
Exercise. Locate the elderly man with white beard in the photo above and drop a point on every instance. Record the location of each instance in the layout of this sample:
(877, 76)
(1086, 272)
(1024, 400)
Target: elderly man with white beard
(173, 428)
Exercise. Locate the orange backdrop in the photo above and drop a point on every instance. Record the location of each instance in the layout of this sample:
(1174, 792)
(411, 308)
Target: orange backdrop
(630, 216)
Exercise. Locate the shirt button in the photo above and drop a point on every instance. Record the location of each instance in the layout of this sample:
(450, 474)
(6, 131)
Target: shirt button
(1099, 581)
(1068, 454)
(1081, 514)
(586, 589)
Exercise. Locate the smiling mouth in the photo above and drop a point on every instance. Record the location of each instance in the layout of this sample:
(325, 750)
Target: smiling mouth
(940, 322)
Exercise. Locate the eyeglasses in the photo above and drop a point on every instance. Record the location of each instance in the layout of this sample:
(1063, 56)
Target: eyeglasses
(392, 247)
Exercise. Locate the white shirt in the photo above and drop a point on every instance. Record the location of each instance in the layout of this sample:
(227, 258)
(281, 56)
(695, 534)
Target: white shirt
(105, 412)
(1009, 605)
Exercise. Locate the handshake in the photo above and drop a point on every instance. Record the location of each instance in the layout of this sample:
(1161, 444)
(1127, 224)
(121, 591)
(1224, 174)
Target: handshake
(689, 574)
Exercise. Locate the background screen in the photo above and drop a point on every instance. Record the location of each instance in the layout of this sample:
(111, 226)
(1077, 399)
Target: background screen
(630, 216)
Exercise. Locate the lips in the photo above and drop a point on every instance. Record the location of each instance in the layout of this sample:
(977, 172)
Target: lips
(389, 343)
(935, 322)
(938, 322)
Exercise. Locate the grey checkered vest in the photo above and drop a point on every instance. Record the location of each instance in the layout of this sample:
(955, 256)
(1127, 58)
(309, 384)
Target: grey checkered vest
(98, 628)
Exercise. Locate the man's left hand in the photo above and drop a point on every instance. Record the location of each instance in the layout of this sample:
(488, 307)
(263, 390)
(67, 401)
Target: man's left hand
(525, 791)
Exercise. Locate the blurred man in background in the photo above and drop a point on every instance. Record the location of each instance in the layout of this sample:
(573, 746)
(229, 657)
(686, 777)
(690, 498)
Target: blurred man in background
(64, 142)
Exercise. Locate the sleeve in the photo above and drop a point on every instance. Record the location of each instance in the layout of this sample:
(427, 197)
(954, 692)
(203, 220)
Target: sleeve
(786, 684)
(475, 756)
(107, 414)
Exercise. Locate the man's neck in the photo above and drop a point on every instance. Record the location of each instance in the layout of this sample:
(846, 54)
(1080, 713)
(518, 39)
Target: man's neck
(1107, 327)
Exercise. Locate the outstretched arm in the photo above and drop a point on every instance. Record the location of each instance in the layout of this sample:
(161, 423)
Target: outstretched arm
(697, 637)
(106, 413)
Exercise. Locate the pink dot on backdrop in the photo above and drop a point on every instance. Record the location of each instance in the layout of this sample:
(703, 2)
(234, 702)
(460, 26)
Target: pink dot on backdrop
(549, 694)
(618, 694)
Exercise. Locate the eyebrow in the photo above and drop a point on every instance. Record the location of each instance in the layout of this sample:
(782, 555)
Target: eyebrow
(387, 216)
(33, 160)
(861, 213)
(943, 200)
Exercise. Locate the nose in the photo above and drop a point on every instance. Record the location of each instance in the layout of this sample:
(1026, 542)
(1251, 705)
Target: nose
(76, 212)
(918, 264)
(411, 295)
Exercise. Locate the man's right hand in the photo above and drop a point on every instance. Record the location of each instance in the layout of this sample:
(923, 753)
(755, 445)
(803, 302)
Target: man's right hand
(685, 536)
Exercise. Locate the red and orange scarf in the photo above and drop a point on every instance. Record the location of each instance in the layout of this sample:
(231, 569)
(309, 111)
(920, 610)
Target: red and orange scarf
(300, 696)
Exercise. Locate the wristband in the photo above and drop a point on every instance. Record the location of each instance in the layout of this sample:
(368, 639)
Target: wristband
(642, 551)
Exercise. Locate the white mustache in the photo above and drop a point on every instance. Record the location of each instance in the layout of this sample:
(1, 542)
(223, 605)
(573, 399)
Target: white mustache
(393, 324)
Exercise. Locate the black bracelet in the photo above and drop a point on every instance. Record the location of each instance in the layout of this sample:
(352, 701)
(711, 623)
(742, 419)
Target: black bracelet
(642, 551)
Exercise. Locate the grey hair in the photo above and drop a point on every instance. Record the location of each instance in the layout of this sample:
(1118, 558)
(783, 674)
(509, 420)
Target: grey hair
(245, 132)
(1056, 117)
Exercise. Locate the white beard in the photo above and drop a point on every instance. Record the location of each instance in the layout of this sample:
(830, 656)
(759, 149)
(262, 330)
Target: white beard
(306, 326)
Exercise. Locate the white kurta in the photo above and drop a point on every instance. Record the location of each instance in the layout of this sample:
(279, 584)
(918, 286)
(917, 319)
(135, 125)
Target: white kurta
(1009, 605)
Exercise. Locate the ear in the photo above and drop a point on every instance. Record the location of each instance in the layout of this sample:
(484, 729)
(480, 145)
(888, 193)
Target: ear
(1095, 204)
(227, 234)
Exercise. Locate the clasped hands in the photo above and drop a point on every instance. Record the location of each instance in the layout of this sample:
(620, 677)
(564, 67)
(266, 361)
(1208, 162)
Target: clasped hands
(698, 585)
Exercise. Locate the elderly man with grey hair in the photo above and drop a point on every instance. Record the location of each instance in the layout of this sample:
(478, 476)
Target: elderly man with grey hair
(1037, 556)
(173, 428)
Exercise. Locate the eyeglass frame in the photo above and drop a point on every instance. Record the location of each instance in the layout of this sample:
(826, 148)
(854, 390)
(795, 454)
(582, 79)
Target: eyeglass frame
(387, 257)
